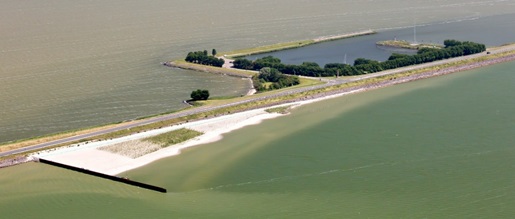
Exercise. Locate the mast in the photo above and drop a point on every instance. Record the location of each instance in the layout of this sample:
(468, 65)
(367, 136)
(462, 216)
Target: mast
(414, 31)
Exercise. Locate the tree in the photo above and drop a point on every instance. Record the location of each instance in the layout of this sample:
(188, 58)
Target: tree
(398, 56)
(199, 94)
(451, 43)
(243, 64)
(270, 74)
(453, 48)
(201, 57)
(213, 52)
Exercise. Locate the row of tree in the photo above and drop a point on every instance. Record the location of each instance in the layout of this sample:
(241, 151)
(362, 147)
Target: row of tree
(271, 79)
(453, 48)
(202, 57)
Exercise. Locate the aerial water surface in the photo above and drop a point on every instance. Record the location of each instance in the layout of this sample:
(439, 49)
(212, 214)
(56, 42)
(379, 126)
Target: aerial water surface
(69, 65)
(436, 148)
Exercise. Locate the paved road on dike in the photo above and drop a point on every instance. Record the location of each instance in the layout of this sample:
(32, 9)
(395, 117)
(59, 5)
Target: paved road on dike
(209, 108)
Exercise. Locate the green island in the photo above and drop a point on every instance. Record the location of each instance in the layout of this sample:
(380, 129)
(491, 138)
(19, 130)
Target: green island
(306, 88)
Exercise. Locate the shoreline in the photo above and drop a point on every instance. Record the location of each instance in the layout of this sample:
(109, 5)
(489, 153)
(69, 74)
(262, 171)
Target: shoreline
(86, 155)
(89, 156)
(492, 56)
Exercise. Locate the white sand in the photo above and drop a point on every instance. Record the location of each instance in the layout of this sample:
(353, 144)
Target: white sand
(88, 156)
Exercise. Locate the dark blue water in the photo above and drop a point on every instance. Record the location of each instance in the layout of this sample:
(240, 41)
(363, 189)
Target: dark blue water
(339, 51)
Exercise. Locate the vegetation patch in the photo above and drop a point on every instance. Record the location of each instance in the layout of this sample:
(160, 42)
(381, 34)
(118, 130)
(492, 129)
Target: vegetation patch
(132, 149)
(173, 137)
(272, 79)
(281, 110)
(201, 57)
(199, 95)
(138, 148)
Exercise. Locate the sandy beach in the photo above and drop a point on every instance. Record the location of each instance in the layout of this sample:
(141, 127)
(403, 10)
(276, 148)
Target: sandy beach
(89, 155)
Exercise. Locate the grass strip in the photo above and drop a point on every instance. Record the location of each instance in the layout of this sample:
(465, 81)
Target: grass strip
(173, 137)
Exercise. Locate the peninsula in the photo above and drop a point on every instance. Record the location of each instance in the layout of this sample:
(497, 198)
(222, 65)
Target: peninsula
(217, 117)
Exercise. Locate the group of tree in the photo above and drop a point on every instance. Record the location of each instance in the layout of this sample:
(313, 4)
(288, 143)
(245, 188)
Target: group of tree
(199, 95)
(305, 69)
(453, 48)
(202, 57)
(271, 79)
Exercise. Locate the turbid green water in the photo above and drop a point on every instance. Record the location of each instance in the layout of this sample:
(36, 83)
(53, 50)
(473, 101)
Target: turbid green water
(67, 65)
(437, 148)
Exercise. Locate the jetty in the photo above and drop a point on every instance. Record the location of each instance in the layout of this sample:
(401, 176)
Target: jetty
(104, 176)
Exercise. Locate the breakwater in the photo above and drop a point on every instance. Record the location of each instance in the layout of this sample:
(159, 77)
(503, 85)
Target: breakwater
(105, 176)
(210, 69)
(293, 44)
